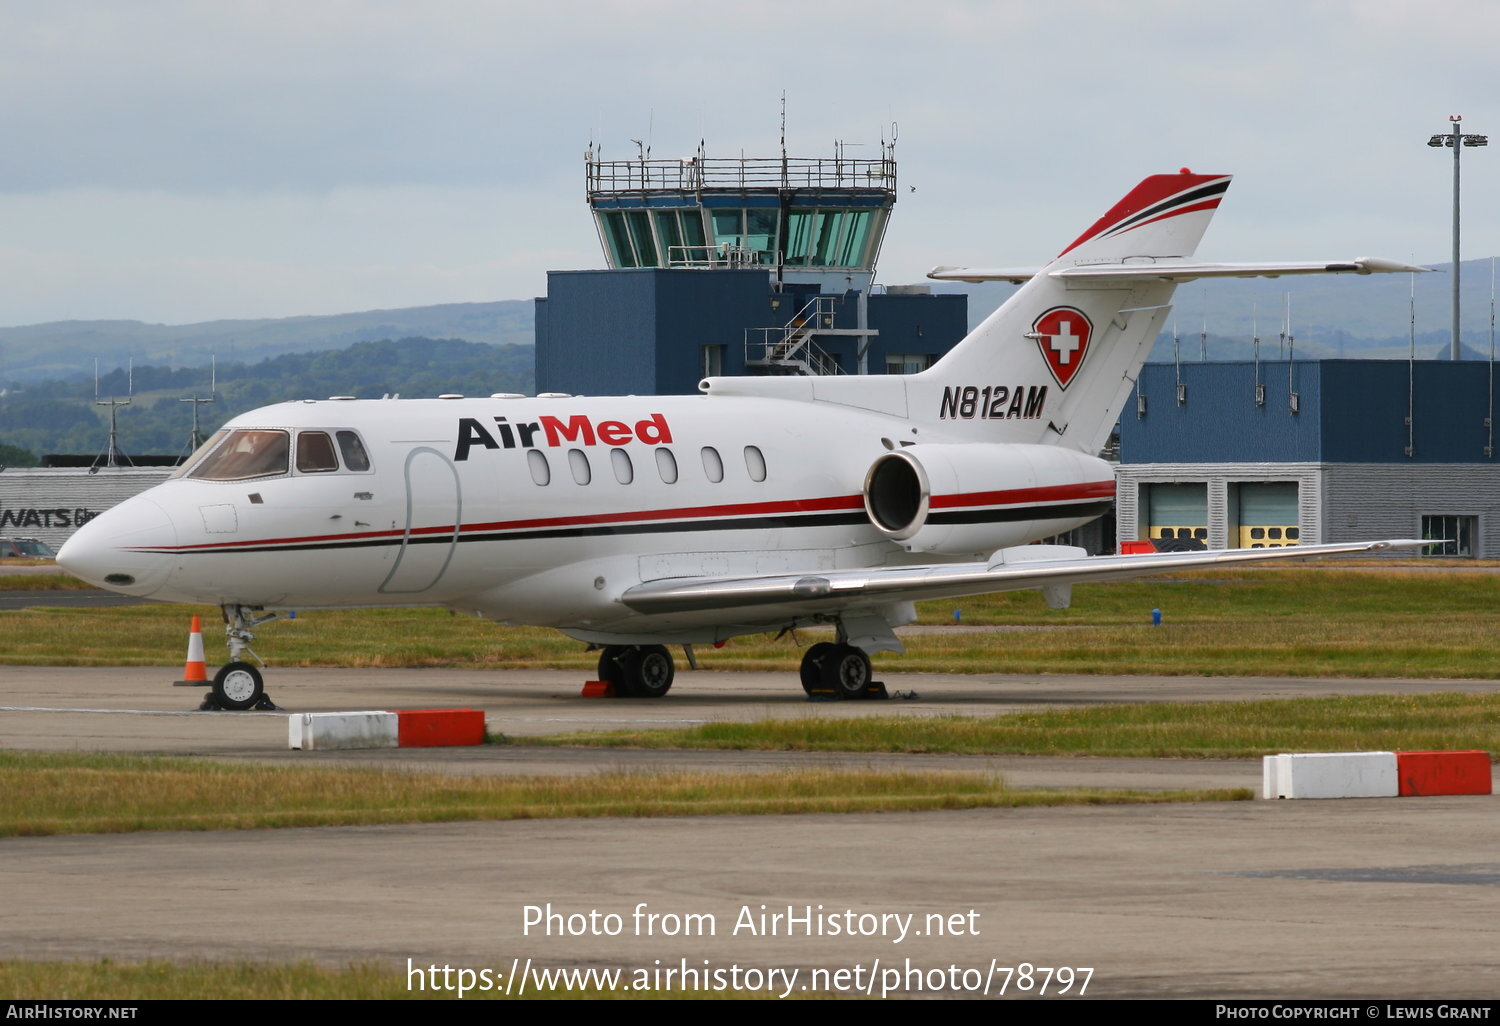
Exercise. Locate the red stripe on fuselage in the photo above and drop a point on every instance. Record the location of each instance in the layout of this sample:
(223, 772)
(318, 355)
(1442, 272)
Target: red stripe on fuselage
(1026, 496)
(1012, 497)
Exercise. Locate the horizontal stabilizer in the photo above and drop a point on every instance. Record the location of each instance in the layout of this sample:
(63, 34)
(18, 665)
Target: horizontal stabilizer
(1175, 270)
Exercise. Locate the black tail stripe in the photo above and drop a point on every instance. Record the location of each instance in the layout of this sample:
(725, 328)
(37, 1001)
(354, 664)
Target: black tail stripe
(1212, 189)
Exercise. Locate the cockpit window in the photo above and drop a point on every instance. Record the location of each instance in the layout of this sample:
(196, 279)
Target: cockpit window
(247, 453)
(202, 450)
(355, 457)
(315, 452)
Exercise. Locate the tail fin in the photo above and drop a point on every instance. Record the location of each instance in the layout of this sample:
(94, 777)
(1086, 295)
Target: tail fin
(1057, 361)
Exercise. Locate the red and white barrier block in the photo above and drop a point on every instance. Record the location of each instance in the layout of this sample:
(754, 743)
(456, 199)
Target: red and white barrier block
(1375, 774)
(405, 728)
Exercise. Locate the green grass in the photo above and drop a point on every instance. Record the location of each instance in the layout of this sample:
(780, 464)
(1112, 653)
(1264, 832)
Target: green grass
(72, 793)
(1159, 730)
(1306, 621)
(38, 582)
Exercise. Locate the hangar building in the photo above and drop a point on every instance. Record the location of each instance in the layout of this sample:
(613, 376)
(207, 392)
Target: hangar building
(1241, 455)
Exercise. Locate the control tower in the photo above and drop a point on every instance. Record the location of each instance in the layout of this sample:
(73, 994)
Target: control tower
(807, 221)
(745, 265)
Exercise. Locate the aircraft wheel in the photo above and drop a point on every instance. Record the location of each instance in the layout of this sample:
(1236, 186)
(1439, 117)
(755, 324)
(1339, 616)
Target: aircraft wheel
(609, 665)
(812, 665)
(238, 686)
(847, 671)
(648, 671)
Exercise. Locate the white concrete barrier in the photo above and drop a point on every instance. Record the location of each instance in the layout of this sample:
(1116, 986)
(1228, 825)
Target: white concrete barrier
(311, 731)
(1332, 775)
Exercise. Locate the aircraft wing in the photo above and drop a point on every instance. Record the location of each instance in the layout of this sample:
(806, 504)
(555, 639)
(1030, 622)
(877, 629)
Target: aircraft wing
(1176, 270)
(1011, 569)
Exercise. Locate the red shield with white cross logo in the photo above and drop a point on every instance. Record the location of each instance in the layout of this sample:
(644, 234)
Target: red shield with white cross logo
(1062, 334)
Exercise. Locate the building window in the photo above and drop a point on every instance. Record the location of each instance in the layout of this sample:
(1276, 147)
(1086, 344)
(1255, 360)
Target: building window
(1455, 535)
(907, 363)
(713, 360)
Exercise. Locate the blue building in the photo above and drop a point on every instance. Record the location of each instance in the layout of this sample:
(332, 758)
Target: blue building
(742, 266)
(1237, 455)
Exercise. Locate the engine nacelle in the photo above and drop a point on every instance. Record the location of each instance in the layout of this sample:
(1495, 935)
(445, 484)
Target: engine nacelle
(974, 498)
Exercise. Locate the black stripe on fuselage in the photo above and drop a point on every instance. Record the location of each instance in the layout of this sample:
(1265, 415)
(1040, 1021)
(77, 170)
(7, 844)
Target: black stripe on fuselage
(1001, 515)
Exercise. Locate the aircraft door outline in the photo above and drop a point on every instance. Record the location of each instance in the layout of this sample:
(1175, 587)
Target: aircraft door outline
(432, 488)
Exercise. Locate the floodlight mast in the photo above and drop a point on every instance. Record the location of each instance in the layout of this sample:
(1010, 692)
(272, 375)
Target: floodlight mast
(1456, 141)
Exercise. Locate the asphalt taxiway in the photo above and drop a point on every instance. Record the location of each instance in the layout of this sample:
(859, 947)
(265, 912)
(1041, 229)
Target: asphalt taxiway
(1356, 898)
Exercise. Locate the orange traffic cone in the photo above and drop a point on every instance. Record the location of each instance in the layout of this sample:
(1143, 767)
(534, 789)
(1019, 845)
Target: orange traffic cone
(195, 672)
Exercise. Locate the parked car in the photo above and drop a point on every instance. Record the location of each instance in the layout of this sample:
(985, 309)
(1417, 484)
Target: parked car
(9, 549)
(32, 548)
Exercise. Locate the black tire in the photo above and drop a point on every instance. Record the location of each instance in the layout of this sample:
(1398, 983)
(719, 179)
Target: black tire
(648, 672)
(847, 672)
(812, 665)
(238, 687)
(609, 665)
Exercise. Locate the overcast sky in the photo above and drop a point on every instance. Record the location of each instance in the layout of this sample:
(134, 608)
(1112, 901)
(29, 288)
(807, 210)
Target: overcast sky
(184, 161)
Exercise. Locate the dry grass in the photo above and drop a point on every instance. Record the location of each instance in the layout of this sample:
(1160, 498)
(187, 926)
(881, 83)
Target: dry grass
(69, 793)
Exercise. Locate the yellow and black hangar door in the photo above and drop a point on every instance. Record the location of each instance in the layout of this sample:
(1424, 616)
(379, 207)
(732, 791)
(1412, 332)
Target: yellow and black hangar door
(1177, 516)
(1267, 514)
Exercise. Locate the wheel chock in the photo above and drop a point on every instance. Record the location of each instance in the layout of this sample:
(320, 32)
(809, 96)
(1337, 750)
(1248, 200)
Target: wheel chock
(597, 689)
(873, 690)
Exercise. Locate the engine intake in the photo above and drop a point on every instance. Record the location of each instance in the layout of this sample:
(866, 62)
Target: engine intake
(974, 498)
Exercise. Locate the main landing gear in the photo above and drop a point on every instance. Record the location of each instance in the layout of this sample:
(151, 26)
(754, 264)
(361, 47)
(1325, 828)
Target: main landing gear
(836, 670)
(637, 671)
(239, 686)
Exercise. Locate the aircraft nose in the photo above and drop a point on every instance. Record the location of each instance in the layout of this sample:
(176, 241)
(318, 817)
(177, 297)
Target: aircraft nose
(124, 549)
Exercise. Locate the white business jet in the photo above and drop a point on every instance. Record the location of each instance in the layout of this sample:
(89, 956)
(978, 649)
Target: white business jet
(764, 504)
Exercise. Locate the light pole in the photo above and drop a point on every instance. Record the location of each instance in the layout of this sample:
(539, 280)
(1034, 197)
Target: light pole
(1456, 141)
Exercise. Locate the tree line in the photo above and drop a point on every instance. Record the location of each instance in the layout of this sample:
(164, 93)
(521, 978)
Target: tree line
(60, 416)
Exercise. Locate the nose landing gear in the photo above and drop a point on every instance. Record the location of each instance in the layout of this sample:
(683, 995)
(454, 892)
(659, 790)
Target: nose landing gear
(239, 686)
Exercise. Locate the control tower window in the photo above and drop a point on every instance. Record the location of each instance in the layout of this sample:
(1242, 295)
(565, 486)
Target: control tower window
(729, 226)
(640, 234)
(618, 237)
(856, 230)
(760, 234)
(825, 237)
(669, 237)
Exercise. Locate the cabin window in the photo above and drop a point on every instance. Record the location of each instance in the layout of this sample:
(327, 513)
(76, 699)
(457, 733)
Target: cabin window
(315, 453)
(541, 470)
(619, 459)
(247, 453)
(713, 465)
(755, 463)
(666, 466)
(578, 462)
(355, 456)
